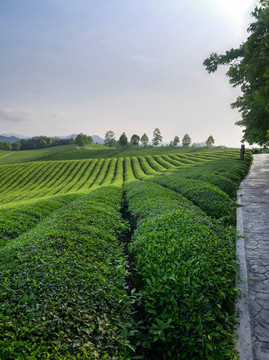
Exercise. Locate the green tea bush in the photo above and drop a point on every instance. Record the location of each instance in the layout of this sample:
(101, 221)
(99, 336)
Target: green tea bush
(139, 196)
(208, 197)
(17, 219)
(208, 173)
(187, 269)
(63, 292)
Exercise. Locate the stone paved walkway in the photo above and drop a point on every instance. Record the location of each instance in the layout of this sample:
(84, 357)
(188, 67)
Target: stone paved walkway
(253, 195)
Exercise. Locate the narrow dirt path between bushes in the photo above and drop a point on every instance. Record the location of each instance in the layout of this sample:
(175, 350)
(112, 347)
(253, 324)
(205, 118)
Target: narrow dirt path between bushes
(253, 251)
(6, 155)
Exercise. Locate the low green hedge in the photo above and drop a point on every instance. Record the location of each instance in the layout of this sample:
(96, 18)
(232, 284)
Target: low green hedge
(213, 201)
(17, 219)
(63, 293)
(187, 268)
(139, 195)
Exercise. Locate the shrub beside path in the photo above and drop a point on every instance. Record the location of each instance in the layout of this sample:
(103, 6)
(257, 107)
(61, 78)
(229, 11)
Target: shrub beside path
(253, 251)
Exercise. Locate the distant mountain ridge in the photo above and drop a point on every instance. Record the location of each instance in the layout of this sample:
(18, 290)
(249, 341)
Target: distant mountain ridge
(15, 137)
(10, 139)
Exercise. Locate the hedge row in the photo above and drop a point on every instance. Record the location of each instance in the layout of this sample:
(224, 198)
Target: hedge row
(187, 268)
(223, 173)
(213, 201)
(16, 219)
(63, 290)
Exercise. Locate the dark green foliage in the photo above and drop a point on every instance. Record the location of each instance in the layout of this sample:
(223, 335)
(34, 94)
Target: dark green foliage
(63, 289)
(208, 197)
(186, 140)
(110, 139)
(210, 141)
(225, 174)
(186, 263)
(17, 219)
(82, 139)
(157, 137)
(135, 139)
(40, 142)
(144, 139)
(123, 140)
(5, 145)
(140, 197)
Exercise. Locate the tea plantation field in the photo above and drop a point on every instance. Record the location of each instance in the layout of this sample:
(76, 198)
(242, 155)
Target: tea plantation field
(119, 254)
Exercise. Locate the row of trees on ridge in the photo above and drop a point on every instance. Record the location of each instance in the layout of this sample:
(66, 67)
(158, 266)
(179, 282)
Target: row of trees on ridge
(136, 140)
(36, 142)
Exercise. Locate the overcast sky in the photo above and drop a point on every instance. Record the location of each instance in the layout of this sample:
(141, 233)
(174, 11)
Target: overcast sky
(70, 66)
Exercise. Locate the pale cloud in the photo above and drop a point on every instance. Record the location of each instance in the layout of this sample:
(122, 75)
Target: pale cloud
(9, 115)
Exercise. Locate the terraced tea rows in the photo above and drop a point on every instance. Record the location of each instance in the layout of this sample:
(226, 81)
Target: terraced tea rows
(23, 181)
(63, 294)
(34, 155)
(119, 257)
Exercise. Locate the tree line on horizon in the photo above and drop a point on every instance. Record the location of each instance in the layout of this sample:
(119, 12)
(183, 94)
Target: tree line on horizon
(40, 142)
(136, 140)
(36, 142)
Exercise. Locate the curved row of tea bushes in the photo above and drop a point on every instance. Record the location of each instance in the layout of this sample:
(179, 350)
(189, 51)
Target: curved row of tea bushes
(226, 174)
(63, 292)
(17, 219)
(187, 268)
(213, 201)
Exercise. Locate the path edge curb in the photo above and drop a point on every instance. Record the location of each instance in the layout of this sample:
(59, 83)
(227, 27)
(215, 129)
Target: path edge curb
(244, 339)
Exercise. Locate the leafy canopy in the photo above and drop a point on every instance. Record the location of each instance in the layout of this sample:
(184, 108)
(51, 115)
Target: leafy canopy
(110, 139)
(144, 139)
(83, 139)
(186, 140)
(210, 141)
(157, 137)
(123, 139)
(249, 69)
(135, 139)
(176, 141)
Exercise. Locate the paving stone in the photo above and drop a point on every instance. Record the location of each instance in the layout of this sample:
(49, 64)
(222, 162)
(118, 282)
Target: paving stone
(262, 299)
(261, 351)
(253, 195)
(257, 277)
(259, 269)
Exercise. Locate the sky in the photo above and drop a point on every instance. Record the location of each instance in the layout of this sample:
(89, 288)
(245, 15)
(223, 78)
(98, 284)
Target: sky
(90, 66)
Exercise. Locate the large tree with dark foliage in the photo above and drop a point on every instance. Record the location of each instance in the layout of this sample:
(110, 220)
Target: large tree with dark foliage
(83, 139)
(249, 69)
(123, 140)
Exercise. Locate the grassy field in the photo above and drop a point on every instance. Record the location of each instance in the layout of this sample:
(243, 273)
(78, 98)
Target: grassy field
(118, 254)
(34, 155)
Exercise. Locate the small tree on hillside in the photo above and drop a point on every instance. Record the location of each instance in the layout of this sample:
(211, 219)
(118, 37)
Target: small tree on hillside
(135, 139)
(110, 139)
(210, 141)
(144, 139)
(83, 140)
(123, 141)
(186, 140)
(157, 137)
(176, 141)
